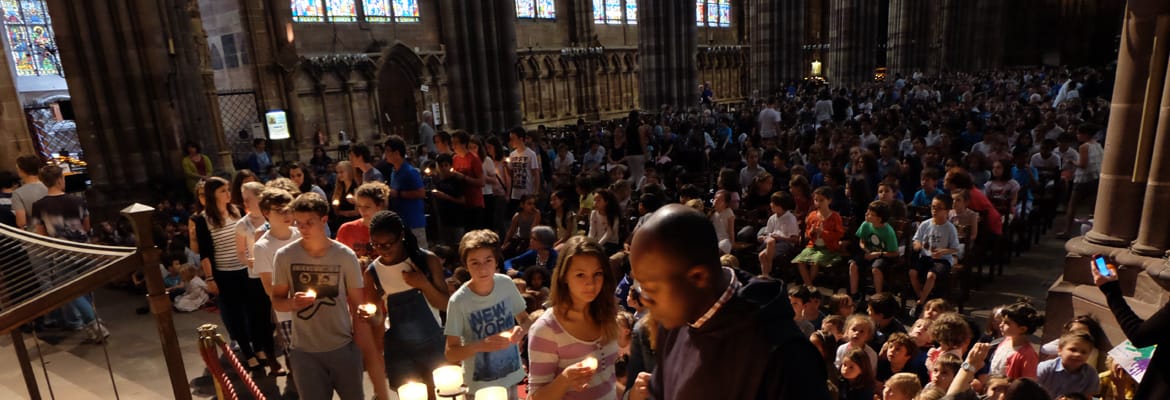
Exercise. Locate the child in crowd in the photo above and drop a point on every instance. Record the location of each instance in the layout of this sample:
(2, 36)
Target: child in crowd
(857, 376)
(801, 195)
(824, 230)
(1015, 358)
(841, 304)
(799, 297)
(901, 386)
(573, 347)
(883, 309)
(451, 192)
(829, 338)
(781, 234)
(486, 319)
(942, 371)
(953, 335)
(897, 356)
(888, 194)
(966, 220)
(858, 332)
(929, 180)
(274, 206)
(195, 290)
(1116, 383)
(879, 247)
(1070, 373)
(724, 220)
(564, 217)
(368, 199)
(520, 230)
(937, 307)
(605, 222)
(937, 245)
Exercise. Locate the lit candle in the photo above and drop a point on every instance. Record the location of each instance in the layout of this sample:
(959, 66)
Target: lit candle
(311, 293)
(412, 391)
(349, 197)
(369, 308)
(427, 171)
(506, 335)
(448, 379)
(492, 393)
(589, 362)
(336, 203)
(452, 169)
(507, 159)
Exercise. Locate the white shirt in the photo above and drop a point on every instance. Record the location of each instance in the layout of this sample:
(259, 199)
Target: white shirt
(264, 252)
(521, 164)
(720, 218)
(824, 110)
(868, 139)
(390, 276)
(784, 226)
(1041, 163)
(768, 119)
(489, 174)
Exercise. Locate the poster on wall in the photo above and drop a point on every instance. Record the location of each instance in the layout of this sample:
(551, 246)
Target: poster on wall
(277, 125)
(436, 114)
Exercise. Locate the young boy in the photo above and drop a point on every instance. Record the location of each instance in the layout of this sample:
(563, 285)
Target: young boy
(883, 310)
(1070, 373)
(799, 297)
(887, 193)
(781, 234)
(937, 245)
(929, 180)
(966, 220)
(320, 281)
(943, 371)
(274, 205)
(879, 247)
(952, 334)
(901, 386)
(486, 319)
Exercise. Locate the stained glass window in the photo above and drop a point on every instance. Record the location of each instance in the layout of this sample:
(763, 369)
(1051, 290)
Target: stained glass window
(542, 9)
(406, 10)
(30, 37)
(377, 10)
(713, 13)
(307, 11)
(632, 12)
(700, 12)
(614, 12)
(599, 11)
(341, 10)
(724, 13)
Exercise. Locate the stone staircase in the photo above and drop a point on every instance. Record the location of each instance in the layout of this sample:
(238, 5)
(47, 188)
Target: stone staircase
(1075, 294)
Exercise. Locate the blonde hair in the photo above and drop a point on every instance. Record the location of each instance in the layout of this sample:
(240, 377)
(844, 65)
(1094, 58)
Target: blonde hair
(697, 205)
(860, 319)
(728, 260)
(187, 272)
(378, 192)
(253, 188)
(905, 383)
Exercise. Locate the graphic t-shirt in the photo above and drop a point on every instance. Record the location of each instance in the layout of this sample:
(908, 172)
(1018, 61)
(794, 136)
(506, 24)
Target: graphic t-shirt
(325, 325)
(472, 317)
(63, 217)
(877, 239)
(521, 163)
(264, 254)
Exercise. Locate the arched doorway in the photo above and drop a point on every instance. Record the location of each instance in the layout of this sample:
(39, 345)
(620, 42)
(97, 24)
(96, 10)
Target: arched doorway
(398, 91)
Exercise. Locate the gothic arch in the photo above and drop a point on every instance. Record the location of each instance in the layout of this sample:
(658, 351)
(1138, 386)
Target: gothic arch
(399, 76)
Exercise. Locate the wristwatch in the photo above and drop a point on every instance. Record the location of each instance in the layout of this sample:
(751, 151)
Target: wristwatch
(968, 367)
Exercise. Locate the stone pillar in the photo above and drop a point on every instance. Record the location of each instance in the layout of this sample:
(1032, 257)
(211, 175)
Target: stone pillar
(777, 34)
(133, 69)
(15, 140)
(480, 44)
(855, 33)
(1119, 196)
(667, 47)
(1154, 233)
(910, 36)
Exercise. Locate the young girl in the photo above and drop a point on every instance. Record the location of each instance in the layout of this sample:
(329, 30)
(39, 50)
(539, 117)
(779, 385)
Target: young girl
(520, 231)
(841, 304)
(604, 222)
(857, 376)
(195, 290)
(408, 283)
(858, 332)
(368, 199)
(1014, 357)
(724, 220)
(1002, 189)
(572, 349)
(342, 205)
(564, 218)
(800, 190)
(824, 230)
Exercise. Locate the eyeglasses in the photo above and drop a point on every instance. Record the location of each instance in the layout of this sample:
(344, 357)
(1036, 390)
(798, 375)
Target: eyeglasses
(385, 246)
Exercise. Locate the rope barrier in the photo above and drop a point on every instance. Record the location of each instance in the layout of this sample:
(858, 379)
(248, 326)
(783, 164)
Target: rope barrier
(210, 343)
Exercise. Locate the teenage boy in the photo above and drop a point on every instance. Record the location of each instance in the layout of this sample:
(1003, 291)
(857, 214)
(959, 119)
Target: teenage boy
(320, 282)
(362, 159)
(486, 319)
(274, 205)
(406, 190)
(31, 189)
(879, 247)
(882, 309)
(523, 168)
(937, 245)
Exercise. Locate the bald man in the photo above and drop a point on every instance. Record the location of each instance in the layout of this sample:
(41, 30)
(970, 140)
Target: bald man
(720, 339)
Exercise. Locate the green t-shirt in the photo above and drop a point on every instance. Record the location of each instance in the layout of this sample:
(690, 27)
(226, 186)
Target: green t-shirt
(877, 239)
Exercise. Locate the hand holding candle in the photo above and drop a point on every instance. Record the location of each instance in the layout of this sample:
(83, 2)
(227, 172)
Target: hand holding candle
(448, 379)
(412, 391)
(311, 293)
(590, 362)
(368, 310)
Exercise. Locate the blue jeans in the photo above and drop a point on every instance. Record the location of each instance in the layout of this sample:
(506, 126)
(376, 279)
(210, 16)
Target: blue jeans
(414, 344)
(78, 312)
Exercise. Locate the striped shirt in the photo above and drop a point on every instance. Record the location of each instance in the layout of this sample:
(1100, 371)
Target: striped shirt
(551, 349)
(224, 238)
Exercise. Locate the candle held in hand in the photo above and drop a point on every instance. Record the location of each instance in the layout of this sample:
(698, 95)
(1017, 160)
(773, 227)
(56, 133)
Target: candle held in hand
(412, 391)
(311, 293)
(369, 308)
(506, 335)
(492, 393)
(448, 379)
(589, 362)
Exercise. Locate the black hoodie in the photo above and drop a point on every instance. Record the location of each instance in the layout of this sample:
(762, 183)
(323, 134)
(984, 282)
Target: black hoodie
(750, 349)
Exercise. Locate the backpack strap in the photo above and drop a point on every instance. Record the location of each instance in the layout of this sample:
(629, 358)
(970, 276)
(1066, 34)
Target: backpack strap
(377, 281)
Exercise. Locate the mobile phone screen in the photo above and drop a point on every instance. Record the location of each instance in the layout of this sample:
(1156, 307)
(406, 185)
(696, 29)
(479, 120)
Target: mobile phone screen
(1101, 267)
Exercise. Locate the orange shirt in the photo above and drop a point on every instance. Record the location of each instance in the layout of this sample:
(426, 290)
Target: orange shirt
(832, 229)
(356, 236)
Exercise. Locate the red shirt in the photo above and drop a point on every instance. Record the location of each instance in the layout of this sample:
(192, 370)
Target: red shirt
(470, 165)
(356, 236)
(980, 202)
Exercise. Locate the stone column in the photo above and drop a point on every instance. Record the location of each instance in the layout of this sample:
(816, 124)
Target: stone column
(480, 42)
(1154, 233)
(910, 36)
(15, 140)
(133, 69)
(1119, 196)
(855, 31)
(777, 34)
(667, 47)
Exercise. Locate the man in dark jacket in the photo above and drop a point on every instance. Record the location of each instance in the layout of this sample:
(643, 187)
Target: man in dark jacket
(720, 339)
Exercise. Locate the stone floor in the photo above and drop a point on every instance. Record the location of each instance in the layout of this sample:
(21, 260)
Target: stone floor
(78, 371)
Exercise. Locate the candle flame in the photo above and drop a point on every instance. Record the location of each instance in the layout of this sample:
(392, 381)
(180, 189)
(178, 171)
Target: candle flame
(589, 362)
(369, 308)
(311, 293)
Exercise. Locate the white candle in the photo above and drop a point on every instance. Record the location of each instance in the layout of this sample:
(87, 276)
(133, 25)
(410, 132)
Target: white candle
(427, 171)
(492, 393)
(589, 362)
(506, 335)
(336, 203)
(311, 293)
(448, 379)
(412, 391)
(369, 308)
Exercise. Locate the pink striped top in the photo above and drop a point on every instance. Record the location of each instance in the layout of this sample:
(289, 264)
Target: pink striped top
(551, 349)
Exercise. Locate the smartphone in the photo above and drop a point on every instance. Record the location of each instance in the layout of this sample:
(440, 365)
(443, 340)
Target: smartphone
(1102, 268)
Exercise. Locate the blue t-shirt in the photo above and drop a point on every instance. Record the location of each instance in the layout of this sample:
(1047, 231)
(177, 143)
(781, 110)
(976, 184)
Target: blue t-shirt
(404, 179)
(921, 199)
(472, 318)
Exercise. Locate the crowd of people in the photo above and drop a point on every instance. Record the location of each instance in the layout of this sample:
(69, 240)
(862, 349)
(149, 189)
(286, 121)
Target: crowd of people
(752, 250)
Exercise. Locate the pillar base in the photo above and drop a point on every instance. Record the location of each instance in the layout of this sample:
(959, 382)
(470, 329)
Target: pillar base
(1102, 239)
(1146, 250)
